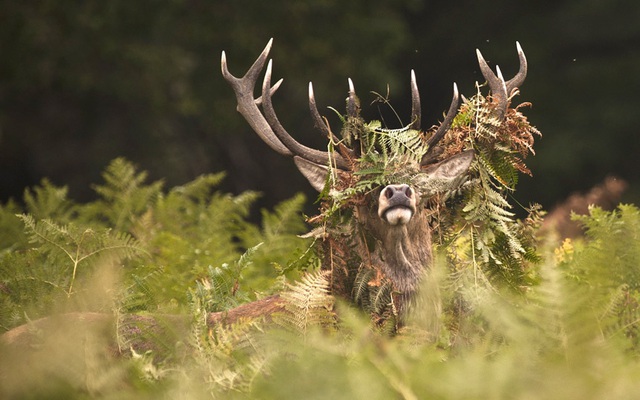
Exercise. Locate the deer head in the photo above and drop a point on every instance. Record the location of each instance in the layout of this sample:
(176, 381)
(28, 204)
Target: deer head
(388, 208)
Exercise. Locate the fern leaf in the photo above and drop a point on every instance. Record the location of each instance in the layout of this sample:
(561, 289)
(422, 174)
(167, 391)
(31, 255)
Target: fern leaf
(124, 194)
(308, 304)
(48, 201)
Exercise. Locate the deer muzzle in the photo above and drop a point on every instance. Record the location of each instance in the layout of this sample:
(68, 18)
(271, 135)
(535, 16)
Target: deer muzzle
(397, 204)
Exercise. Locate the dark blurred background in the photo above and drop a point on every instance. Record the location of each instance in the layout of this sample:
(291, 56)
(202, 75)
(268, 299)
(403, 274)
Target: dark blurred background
(83, 82)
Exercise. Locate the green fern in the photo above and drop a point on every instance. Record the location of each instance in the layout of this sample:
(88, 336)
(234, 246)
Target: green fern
(200, 189)
(501, 246)
(193, 231)
(395, 144)
(308, 304)
(58, 266)
(361, 288)
(573, 332)
(221, 289)
(12, 235)
(226, 359)
(79, 248)
(48, 201)
(124, 195)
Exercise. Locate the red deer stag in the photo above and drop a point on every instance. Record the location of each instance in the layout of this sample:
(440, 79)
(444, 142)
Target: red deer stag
(377, 184)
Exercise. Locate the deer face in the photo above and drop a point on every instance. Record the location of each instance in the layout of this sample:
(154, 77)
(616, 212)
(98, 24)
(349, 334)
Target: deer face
(398, 203)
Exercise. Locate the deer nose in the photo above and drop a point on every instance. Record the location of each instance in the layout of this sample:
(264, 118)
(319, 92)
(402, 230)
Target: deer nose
(397, 204)
(398, 194)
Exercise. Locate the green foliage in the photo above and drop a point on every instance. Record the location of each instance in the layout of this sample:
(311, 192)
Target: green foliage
(37, 278)
(610, 265)
(11, 228)
(571, 333)
(71, 249)
(561, 339)
(279, 232)
(220, 290)
(124, 195)
(613, 237)
(157, 244)
(386, 156)
(48, 201)
(496, 244)
(309, 304)
(404, 144)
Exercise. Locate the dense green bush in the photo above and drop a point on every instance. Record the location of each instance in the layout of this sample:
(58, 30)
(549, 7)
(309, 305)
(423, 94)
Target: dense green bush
(155, 243)
(572, 332)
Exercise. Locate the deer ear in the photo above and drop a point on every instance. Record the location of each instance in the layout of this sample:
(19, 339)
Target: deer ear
(316, 174)
(452, 167)
(445, 175)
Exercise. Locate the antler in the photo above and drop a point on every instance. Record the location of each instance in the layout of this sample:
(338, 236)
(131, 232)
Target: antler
(433, 151)
(448, 119)
(309, 154)
(267, 125)
(247, 106)
(415, 104)
(500, 89)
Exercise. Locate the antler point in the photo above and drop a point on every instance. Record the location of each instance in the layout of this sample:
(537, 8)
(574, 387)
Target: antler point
(268, 71)
(499, 73)
(267, 49)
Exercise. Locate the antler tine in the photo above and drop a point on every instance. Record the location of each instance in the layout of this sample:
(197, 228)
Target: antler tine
(251, 76)
(243, 88)
(500, 89)
(496, 84)
(448, 119)
(415, 103)
(274, 88)
(517, 80)
(317, 119)
(309, 154)
(353, 104)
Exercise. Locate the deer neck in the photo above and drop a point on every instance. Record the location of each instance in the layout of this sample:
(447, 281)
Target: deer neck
(403, 253)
